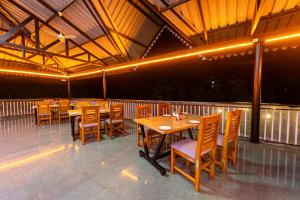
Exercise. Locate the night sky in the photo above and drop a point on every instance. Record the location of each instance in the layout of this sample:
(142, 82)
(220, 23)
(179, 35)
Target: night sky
(221, 80)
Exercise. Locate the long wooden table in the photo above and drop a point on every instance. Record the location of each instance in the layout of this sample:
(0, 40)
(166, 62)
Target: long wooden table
(75, 113)
(154, 123)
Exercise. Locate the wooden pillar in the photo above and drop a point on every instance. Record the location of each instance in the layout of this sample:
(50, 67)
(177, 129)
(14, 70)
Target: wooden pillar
(104, 85)
(69, 89)
(255, 119)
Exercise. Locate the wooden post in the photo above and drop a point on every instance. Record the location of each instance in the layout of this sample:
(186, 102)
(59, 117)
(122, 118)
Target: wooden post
(69, 89)
(104, 86)
(23, 45)
(255, 120)
(67, 47)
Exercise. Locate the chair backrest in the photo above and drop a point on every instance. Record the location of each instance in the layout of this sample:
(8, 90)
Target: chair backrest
(90, 114)
(143, 111)
(64, 105)
(43, 107)
(116, 112)
(164, 108)
(102, 104)
(232, 125)
(207, 135)
(81, 104)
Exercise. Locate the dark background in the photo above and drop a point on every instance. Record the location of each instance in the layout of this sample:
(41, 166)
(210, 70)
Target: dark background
(221, 80)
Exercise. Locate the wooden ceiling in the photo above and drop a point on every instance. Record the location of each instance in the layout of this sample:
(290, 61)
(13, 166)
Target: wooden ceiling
(101, 33)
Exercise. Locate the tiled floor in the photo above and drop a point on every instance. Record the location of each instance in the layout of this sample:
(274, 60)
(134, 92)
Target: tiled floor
(112, 169)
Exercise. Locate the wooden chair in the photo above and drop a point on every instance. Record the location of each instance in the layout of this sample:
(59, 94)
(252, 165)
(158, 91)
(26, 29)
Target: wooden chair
(201, 152)
(63, 107)
(227, 143)
(90, 122)
(144, 111)
(165, 109)
(103, 105)
(116, 120)
(44, 112)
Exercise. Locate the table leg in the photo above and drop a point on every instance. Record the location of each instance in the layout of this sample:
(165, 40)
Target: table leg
(157, 154)
(35, 115)
(73, 127)
(190, 133)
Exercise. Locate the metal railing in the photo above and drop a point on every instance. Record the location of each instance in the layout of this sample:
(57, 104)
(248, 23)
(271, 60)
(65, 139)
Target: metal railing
(278, 123)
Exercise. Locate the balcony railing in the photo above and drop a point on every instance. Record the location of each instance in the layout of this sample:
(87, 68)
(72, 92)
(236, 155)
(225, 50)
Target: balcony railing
(277, 123)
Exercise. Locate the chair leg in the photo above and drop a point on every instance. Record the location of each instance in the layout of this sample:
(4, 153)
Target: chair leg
(82, 135)
(224, 161)
(197, 176)
(110, 131)
(59, 118)
(173, 159)
(105, 127)
(98, 134)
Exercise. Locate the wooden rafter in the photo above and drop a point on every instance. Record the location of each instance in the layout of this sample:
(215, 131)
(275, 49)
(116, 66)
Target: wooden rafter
(149, 6)
(129, 38)
(202, 19)
(101, 23)
(53, 29)
(178, 3)
(260, 9)
(113, 25)
(77, 29)
(13, 31)
(180, 17)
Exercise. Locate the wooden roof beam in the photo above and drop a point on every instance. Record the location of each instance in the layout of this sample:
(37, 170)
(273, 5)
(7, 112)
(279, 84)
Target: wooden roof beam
(13, 31)
(201, 11)
(258, 14)
(178, 3)
(53, 29)
(151, 7)
(113, 25)
(101, 23)
(77, 29)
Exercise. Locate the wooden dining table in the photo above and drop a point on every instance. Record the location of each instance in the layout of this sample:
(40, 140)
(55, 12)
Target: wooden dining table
(75, 113)
(154, 123)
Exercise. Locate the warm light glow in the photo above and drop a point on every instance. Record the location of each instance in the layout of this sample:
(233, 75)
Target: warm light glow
(29, 159)
(219, 110)
(283, 37)
(85, 73)
(32, 73)
(268, 116)
(129, 175)
(180, 56)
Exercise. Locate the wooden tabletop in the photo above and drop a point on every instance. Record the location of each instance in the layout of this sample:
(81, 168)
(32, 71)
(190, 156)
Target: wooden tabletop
(78, 112)
(54, 106)
(177, 125)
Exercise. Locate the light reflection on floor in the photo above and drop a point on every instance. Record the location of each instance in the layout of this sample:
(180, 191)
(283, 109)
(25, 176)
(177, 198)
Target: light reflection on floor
(112, 169)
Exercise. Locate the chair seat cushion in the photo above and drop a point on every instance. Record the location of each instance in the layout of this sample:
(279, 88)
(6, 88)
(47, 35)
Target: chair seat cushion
(188, 147)
(88, 125)
(43, 114)
(221, 138)
(113, 121)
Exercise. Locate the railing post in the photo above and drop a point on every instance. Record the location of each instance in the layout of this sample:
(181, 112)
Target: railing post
(69, 89)
(104, 85)
(255, 119)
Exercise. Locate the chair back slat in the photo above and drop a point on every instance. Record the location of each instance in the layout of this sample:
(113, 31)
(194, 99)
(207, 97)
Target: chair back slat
(64, 105)
(116, 112)
(81, 104)
(90, 114)
(102, 104)
(143, 111)
(233, 124)
(207, 135)
(164, 108)
(43, 107)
